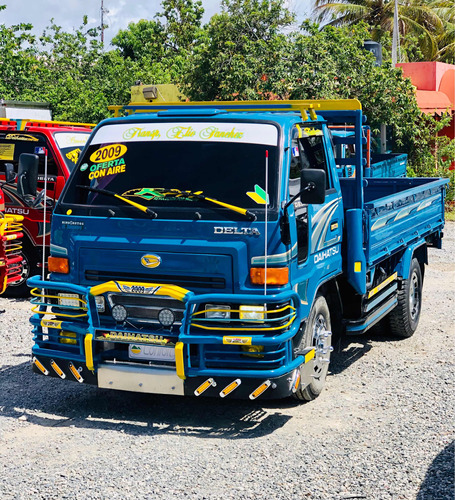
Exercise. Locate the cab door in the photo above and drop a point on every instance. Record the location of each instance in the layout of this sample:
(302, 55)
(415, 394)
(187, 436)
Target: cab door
(318, 228)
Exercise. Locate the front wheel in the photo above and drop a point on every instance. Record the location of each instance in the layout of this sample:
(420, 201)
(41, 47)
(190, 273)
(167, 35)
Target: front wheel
(403, 320)
(317, 334)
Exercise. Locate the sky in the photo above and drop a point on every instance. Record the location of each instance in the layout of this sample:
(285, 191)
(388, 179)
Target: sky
(69, 13)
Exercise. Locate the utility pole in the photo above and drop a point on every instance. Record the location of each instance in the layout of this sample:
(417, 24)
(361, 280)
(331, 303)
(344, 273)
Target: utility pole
(396, 56)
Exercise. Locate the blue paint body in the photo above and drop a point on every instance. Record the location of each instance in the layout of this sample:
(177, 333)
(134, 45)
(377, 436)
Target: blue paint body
(361, 224)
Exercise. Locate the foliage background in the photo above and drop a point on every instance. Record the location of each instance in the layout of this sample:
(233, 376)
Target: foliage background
(250, 50)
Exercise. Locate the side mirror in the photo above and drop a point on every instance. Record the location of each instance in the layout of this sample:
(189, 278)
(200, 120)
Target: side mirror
(27, 176)
(312, 186)
(10, 174)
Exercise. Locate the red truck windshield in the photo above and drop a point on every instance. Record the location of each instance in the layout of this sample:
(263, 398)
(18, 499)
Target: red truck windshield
(153, 163)
(71, 145)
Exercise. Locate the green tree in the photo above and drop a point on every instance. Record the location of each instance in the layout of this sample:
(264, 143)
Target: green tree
(237, 50)
(418, 18)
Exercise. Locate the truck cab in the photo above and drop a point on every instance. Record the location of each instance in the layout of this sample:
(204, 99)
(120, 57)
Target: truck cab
(57, 145)
(211, 249)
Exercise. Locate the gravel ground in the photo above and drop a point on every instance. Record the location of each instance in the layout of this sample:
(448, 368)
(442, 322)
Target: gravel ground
(382, 429)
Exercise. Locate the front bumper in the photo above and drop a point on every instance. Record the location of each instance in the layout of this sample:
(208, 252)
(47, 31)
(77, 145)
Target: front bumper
(165, 380)
(237, 357)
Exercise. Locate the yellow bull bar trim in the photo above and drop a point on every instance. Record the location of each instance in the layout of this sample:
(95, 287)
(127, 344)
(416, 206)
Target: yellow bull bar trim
(174, 291)
(179, 362)
(247, 329)
(88, 345)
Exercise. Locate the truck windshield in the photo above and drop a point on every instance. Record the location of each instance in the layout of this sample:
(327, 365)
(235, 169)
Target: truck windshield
(158, 164)
(71, 145)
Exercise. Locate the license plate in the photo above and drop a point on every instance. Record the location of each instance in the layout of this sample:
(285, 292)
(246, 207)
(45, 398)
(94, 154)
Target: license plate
(151, 352)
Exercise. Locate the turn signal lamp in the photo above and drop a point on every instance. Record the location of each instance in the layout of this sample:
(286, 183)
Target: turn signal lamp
(260, 390)
(40, 366)
(231, 387)
(275, 275)
(76, 373)
(58, 265)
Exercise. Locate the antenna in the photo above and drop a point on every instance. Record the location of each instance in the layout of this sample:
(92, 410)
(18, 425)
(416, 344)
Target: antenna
(103, 11)
(266, 218)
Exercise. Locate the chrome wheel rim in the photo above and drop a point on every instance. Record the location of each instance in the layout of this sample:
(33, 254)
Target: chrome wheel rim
(322, 345)
(414, 296)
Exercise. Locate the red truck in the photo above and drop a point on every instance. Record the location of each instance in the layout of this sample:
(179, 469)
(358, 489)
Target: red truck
(57, 145)
(10, 240)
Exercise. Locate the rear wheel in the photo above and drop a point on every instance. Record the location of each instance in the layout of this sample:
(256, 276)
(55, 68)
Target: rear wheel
(317, 334)
(403, 320)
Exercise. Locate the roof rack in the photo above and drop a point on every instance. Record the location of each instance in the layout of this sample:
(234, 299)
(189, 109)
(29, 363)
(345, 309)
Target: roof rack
(304, 107)
(25, 124)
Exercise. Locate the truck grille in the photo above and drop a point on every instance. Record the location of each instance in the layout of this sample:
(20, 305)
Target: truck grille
(146, 308)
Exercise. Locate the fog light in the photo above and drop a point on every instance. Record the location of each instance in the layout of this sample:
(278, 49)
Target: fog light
(69, 299)
(100, 303)
(217, 311)
(252, 313)
(252, 350)
(119, 313)
(166, 317)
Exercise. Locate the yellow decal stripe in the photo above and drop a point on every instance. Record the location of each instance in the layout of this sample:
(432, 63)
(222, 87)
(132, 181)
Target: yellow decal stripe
(174, 291)
(237, 340)
(382, 285)
(50, 323)
(309, 355)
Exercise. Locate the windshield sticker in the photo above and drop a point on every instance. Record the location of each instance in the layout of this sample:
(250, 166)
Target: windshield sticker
(74, 155)
(259, 195)
(308, 132)
(105, 169)
(112, 152)
(161, 194)
(21, 137)
(7, 151)
(71, 139)
(249, 133)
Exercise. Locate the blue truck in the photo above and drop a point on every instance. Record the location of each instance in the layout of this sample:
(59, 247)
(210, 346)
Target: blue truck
(211, 249)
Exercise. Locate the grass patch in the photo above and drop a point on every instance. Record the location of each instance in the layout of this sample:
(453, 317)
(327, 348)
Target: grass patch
(450, 211)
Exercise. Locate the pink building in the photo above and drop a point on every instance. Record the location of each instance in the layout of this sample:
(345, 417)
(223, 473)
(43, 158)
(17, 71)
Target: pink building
(435, 89)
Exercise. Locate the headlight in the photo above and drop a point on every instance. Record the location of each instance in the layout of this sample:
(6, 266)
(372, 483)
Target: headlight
(119, 313)
(166, 317)
(69, 299)
(252, 313)
(100, 303)
(217, 311)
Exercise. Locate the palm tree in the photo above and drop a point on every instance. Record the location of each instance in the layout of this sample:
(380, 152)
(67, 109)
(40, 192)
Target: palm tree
(446, 39)
(416, 17)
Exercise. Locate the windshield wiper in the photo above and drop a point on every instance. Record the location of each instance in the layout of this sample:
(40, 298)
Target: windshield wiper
(140, 207)
(152, 193)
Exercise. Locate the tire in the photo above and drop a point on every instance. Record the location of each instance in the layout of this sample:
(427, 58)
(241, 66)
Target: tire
(403, 320)
(317, 333)
(30, 268)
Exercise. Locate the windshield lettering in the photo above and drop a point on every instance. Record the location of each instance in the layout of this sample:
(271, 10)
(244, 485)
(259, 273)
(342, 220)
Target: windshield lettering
(131, 133)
